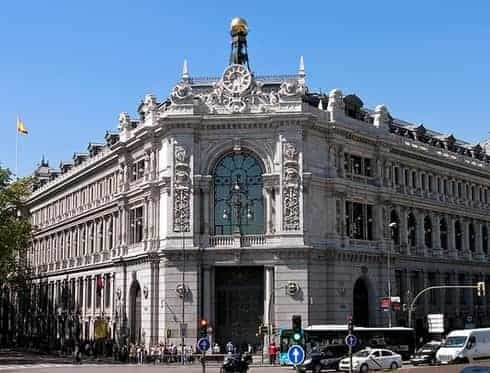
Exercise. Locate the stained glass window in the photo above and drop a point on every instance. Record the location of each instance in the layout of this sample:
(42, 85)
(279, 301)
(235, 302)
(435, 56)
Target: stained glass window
(238, 200)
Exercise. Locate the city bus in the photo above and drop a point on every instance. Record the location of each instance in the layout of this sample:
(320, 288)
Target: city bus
(398, 339)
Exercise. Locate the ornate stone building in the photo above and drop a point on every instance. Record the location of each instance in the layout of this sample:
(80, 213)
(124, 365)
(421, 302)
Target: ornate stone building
(216, 202)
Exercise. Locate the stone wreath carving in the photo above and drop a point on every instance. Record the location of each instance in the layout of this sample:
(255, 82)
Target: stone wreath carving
(291, 180)
(181, 189)
(181, 93)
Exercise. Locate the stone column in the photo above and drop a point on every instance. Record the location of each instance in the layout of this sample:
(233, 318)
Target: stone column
(465, 224)
(402, 214)
(436, 233)
(205, 204)
(419, 217)
(269, 299)
(206, 292)
(451, 243)
(478, 240)
(94, 292)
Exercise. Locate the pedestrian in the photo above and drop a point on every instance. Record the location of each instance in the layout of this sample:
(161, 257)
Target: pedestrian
(229, 347)
(272, 353)
(249, 348)
(216, 348)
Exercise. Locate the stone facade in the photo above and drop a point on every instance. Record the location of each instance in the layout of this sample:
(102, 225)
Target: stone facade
(137, 212)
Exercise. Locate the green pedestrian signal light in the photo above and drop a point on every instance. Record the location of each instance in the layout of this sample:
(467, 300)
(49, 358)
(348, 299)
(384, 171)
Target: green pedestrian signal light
(296, 337)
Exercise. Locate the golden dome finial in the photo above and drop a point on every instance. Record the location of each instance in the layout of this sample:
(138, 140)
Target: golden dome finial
(238, 25)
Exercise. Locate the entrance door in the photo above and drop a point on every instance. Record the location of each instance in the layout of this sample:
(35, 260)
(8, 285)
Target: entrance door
(239, 304)
(361, 303)
(135, 312)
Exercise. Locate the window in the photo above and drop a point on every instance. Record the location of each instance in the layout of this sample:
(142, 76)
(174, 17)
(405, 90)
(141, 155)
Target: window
(484, 238)
(89, 292)
(424, 182)
(412, 230)
(359, 220)
(101, 236)
(138, 170)
(358, 165)
(443, 233)
(428, 232)
(107, 289)
(414, 179)
(238, 195)
(406, 177)
(458, 233)
(471, 233)
(460, 191)
(395, 227)
(136, 225)
(397, 176)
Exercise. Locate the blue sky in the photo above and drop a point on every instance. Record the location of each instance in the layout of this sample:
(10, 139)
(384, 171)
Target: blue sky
(69, 68)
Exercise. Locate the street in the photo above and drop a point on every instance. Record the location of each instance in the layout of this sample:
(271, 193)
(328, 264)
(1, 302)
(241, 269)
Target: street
(110, 368)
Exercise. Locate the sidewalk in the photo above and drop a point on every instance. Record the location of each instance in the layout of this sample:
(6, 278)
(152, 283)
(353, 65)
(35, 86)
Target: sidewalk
(10, 356)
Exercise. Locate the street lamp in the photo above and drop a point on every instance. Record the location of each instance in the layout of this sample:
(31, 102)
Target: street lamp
(237, 205)
(392, 226)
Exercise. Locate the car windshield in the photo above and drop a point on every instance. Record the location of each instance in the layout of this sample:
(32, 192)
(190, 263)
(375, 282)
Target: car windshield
(362, 353)
(455, 342)
(428, 347)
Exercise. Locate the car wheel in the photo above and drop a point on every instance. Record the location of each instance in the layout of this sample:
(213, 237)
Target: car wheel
(394, 366)
(364, 368)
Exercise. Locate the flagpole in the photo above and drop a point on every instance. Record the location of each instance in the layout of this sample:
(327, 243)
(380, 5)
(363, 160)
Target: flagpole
(17, 149)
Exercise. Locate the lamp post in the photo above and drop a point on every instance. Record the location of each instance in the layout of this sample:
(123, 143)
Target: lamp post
(237, 195)
(392, 226)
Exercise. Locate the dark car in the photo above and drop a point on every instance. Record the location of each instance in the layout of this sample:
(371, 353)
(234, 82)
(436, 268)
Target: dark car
(328, 358)
(426, 354)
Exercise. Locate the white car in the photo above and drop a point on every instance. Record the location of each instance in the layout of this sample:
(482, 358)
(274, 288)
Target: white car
(372, 359)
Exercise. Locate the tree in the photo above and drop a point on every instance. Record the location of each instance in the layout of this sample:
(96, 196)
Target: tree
(15, 276)
(15, 227)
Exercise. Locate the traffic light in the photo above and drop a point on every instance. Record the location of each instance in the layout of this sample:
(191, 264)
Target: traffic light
(480, 289)
(350, 325)
(296, 326)
(203, 328)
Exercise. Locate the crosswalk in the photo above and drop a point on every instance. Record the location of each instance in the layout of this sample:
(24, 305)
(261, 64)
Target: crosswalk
(32, 366)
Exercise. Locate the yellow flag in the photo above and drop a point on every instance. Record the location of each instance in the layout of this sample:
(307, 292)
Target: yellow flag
(20, 127)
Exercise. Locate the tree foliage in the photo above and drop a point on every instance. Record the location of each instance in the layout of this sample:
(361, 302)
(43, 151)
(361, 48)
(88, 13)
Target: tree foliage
(15, 226)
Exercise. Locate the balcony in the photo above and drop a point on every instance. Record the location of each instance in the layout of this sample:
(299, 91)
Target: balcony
(249, 240)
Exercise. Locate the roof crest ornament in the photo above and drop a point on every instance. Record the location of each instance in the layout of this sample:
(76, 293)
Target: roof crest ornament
(185, 72)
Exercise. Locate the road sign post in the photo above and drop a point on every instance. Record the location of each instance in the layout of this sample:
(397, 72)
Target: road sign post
(351, 341)
(203, 345)
(296, 354)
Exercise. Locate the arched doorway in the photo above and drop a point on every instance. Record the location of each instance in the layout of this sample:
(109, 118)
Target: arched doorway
(361, 303)
(135, 312)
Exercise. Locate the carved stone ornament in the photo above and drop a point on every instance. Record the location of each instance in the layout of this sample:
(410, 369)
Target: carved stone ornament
(124, 121)
(181, 290)
(291, 182)
(292, 288)
(118, 293)
(182, 183)
(181, 93)
(237, 92)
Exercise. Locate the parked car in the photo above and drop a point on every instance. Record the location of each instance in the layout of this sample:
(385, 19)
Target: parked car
(372, 359)
(426, 354)
(465, 346)
(328, 358)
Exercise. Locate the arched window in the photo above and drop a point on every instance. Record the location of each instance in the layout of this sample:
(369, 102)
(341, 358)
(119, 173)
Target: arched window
(412, 230)
(238, 200)
(395, 227)
(471, 233)
(484, 239)
(458, 234)
(428, 232)
(443, 233)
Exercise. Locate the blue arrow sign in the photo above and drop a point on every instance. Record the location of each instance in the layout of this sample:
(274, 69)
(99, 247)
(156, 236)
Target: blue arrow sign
(296, 354)
(203, 344)
(351, 340)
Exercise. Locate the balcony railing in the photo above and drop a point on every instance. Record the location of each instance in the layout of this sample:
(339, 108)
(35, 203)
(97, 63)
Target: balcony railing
(248, 240)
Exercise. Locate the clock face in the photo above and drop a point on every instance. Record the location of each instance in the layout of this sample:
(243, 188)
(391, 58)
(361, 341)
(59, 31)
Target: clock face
(236, 79)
